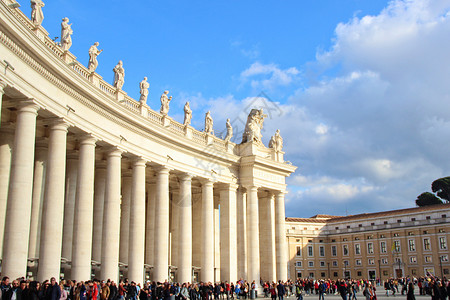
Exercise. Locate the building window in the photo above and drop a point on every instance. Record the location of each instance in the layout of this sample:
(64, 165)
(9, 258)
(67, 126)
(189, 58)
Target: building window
(335, 274)
(348, 226)
(413, 271)
(383, 247)
(385, 273)
(397, 246)
(311, 275)
(322, 251)
(310, 241)
(384, 261)
(336, 228)
(396, 234)
(357, 249)
(345, 250)
(385, 222)
(413, 259)
(444, 258)
(344, 239)
(297, 240)
(426, 244)
(382, 236)
(298, 264)
(442, 243)
(410, 233)
(359, 273)
(398, 260)
(322, 274)
(428, 259)
(333, 241)
(320, 241)
(372, 224)
(356, 238)
(441, 230)
(322, 264)
(359, 225)
(310, 264)
(370, 248)
(299, 251)
(371, 261)
(399, 221)
(411, 245)
(310, 251)
(428, 217)
(358, 262)
(333, 251)
(413, 219)
(446, 271)
(346, 263)
(299, 274)
(425, 232)
(444, 216)
(335, 263)
(370, 237)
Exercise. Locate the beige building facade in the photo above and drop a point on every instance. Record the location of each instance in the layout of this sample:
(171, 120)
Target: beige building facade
(95, 183)
(375, 245)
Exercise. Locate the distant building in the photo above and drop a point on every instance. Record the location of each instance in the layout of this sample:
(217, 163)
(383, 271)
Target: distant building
(385, 244)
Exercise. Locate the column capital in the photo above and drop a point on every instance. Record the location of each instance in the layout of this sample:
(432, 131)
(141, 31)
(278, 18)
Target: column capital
(87, 139)
(279, 193)
(2, 86)
(139, 162)
(185, 176)
(58, 124)
(28, 105)
(229, 187)
(114, 151)
(251, 187)
(206, 181)
(162, 170)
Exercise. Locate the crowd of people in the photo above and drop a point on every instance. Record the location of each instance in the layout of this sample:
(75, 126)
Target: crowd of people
(21, 289)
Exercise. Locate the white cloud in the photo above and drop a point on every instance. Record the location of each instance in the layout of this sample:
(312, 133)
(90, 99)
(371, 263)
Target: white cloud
(269, 76)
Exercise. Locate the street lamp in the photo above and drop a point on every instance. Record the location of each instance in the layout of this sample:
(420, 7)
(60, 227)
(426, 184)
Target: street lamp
(379, 269)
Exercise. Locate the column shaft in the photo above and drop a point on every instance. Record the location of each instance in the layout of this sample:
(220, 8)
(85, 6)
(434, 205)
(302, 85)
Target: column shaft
(6, 148)
(111, 217)
(2, 92)
(137, 224)
(253, 264)
(228, 233)
(150, 226)
(185, 229)
(82, 228)
(267, 238)
(125, 217)
(53, 206)
(69, 205)
(174, 228)
(280, 237)
(161, 258)
(18, 212)
(207, 260)
(99, 203)
(242, 233)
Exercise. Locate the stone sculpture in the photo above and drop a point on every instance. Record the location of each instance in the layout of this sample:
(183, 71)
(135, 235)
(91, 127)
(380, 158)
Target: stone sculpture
(255, 121)
(187, 114)
(208, 123)
(276, 141)
(66, 34)
(37, 16)
(119, 75)
(143, 86)
(93, 53)
(165, 103)
(229, 131)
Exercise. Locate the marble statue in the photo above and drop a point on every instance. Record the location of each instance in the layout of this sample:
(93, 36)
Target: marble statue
(208, 123)
(143, 86)
(255, 121)
(66, 34)
(165, 103)
(93, 53)
(187, 114)
(37, 16)
(276, 141)
(229, 131)
(119, 75)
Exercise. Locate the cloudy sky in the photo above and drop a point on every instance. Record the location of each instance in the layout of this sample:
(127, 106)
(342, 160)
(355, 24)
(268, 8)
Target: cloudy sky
(359, 89)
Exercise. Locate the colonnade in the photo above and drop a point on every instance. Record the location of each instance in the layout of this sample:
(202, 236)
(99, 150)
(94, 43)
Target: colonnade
(69, 199)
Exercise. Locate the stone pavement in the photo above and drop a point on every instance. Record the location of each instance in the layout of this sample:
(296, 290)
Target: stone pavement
(359, 295)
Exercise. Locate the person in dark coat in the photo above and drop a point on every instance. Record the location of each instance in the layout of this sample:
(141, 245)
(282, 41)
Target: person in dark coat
(410, 292)
(281, 290)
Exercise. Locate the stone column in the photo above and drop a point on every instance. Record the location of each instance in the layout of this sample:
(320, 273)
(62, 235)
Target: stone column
(242, 232)
(161, 258)
(111, 217)
(18, 211)
(207, 261)
(84, 202)
(253, 235)
(37, 200)
(267, 237)
(228, 234)
(137, 223)
(53, 206)
(185, 229)
(174, 228)
(6, 148)
(150, 229)
(125, 217)
(2, 87)
(99, 203)
(280, 237)
(69, 204)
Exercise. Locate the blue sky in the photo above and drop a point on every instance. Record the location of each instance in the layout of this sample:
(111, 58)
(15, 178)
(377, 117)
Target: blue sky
(360, 89)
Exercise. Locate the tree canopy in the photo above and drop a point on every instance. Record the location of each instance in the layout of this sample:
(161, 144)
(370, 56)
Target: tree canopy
(441, 187)
(427, 198)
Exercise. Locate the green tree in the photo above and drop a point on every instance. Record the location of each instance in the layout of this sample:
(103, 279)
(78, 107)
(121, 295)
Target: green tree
(441, 187)
(427, 198)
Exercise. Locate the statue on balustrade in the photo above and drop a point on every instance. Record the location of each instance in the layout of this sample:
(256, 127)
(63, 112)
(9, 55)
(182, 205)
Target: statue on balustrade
(276, 142)
(144, 85)
(187, 114)
(165, 103)
(37, 16)
(208, 123)
(93, 53)
(229, 131)
(66, 34)
(119, 75)
(255, 121)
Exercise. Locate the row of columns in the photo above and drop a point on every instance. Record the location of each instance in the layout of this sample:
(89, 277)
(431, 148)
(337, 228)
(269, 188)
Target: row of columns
(88, 219)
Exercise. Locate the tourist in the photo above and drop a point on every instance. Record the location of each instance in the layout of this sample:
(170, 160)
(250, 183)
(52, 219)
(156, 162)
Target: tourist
(64, 294)
(281, 290)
